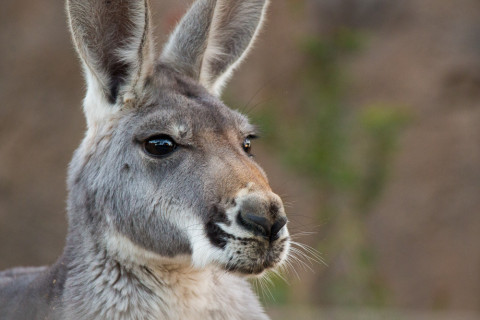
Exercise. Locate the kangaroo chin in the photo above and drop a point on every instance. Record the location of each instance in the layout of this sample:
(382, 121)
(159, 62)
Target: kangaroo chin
(168, 212)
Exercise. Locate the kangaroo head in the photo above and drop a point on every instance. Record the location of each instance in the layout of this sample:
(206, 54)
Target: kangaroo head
(165, 174)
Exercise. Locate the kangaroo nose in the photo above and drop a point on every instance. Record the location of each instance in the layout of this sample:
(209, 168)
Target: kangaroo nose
(262, 226)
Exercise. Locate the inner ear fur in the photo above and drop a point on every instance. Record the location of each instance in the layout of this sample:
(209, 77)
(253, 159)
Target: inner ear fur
(113, 39)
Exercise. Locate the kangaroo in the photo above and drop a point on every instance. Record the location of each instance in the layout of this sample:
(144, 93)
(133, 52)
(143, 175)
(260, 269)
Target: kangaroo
(168, 212)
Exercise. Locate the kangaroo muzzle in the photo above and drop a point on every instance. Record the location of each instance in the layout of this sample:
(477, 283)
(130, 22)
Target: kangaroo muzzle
(262, 214)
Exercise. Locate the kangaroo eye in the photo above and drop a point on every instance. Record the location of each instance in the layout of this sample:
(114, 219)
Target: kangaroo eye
(159, 146)
(247, 145)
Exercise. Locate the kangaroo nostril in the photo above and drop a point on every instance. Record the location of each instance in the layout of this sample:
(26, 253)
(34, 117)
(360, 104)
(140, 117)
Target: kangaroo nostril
(280, 222)
(262, 226)
(261, 223)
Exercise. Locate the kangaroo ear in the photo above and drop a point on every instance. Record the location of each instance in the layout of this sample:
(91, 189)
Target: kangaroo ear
(113, 39)
(212, 38)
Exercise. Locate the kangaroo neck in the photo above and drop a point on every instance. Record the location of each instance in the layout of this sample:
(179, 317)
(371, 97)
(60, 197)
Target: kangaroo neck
(102, 286)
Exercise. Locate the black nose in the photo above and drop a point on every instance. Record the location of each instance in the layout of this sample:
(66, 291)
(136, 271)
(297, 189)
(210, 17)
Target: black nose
(261, 225)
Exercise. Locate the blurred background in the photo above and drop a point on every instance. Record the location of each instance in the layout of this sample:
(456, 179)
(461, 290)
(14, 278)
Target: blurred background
(370, 119)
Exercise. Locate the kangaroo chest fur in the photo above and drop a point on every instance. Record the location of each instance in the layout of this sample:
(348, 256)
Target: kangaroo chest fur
(108, 290)
(100, 288)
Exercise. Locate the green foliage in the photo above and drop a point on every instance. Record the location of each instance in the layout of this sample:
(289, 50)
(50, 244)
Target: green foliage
(382, 124)
(318, 139)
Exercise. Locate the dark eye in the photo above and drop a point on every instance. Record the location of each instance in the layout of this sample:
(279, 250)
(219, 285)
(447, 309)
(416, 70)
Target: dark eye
(247, 145)
(159, 146)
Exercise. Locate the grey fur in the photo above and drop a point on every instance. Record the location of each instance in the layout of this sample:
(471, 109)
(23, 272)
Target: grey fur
(152, 238)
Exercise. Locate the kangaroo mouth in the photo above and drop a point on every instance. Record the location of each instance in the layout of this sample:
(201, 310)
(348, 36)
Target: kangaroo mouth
(247, 255)
(250, 265)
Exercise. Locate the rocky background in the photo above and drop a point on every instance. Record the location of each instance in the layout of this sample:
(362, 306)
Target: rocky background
(371, 118)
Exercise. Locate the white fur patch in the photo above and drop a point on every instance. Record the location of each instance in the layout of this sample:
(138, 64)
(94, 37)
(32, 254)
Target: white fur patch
(124, 250)
(95, 105)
